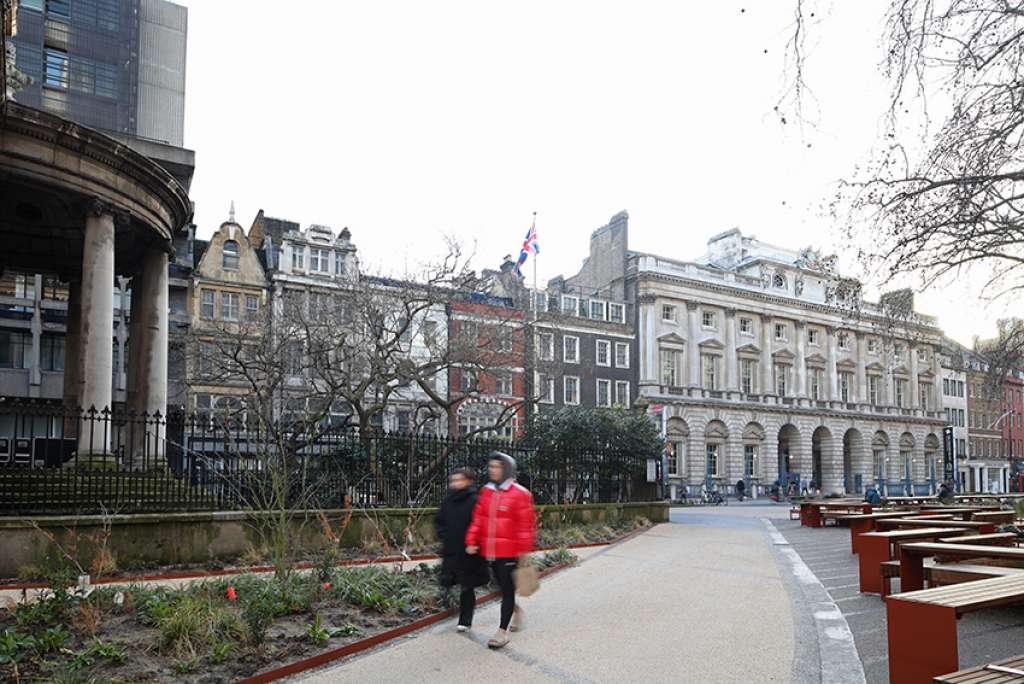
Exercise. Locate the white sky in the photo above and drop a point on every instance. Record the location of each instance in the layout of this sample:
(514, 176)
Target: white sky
(406, 121)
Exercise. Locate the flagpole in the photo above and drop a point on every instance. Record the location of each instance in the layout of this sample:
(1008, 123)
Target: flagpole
(535, 255)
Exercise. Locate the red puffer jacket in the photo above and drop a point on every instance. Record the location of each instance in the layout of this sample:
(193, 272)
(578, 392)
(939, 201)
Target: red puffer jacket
(504, 524)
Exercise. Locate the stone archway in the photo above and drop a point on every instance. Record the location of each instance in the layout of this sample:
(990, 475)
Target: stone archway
(880, 461)
(933, 462)
(716, 436)
(788, 445)
(753, 445)
(825, 475)
(853, 462)
(678, 468)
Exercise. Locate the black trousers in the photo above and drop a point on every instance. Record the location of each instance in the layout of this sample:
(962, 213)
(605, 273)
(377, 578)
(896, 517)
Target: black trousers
(467, 602)
(503, 569)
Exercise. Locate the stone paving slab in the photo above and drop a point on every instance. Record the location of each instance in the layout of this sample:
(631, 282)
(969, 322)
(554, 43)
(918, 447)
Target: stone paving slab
(680, 603)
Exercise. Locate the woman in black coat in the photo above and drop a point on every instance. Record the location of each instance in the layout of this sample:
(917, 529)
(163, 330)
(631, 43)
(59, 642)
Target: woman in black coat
(452, 521)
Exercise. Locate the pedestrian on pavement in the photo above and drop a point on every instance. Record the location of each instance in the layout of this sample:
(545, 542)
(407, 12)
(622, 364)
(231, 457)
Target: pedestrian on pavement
(946, 494)
(451, 523)
(503, 529)
(741, 488)
(871, 496)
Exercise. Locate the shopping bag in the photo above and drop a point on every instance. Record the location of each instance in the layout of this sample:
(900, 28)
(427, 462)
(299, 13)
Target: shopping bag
(526, 578)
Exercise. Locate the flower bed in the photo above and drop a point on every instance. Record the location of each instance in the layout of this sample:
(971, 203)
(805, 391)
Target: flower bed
(214, 631)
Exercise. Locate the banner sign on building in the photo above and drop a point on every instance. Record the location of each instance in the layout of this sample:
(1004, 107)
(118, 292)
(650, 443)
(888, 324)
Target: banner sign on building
(948, 464)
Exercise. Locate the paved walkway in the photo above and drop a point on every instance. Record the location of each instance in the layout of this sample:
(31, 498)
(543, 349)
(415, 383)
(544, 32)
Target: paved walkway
(661, 607)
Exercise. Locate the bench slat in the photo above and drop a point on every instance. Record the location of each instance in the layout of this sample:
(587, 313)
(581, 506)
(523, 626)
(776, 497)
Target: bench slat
(969, 596)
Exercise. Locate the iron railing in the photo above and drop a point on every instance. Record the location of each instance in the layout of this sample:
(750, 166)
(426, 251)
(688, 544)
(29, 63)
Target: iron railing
(70, 461)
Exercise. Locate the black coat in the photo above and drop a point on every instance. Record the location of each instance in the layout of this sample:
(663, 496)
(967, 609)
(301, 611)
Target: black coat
(451, 523)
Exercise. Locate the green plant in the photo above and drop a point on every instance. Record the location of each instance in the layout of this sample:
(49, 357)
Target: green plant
(258, 615)
(51, 639)
(185, 665)
(221, 651)
(346, 630)
(14, 647)
(97, 650)
(549, 559)
(317, 633)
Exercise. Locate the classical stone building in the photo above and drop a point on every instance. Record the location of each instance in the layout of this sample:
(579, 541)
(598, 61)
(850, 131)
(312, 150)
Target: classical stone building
(768, 375)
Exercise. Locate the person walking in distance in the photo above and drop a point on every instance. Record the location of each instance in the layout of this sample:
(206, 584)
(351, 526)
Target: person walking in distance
(452, 521)
(503, 529)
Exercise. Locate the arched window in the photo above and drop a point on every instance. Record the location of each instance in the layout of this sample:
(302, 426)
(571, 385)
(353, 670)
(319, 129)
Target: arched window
(231, 255)
(779, 280)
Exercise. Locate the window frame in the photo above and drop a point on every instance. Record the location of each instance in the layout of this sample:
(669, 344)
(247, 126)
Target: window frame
(565, 390)
(621, 318)
(234, 256)
(607, 384)
(615, 398)
(565, 349)
(705, 317)
(226, 306)
(746, 320)
(607, 345)
(203, 292)
(781, 332)
(551, 347)
(671, 310)
(617, 347)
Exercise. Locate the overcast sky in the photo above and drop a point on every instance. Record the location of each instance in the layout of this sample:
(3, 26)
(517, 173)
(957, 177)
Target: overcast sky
(406, 121)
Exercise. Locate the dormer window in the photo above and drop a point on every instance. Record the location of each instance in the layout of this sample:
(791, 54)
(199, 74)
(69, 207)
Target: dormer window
(230, 255)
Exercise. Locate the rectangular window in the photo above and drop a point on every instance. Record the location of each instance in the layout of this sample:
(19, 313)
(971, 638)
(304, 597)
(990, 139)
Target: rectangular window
(546, 347)
(945, 387)
(504, 385)
(817, 384)
(59, 8)
(622, 355)
(468, 381)
(293, 363)
(712, 460)
(874, 382)
(748, 376)
(673, 450)
(320, 260)
(617, 313)
(812, 336)
(209, 298)
(252, 306)
(746, 326)
(604, 392)
(843, 340)
(750, 460)
(571, 390)
(56, 68)
(781, 376)
(229, 306)
(571, 349)
(339, 264)
(924, 396)
(52, 352)
(872, 346)
(597, 310)
(15, 349)
(708, 320)
(780, 331)
(604, 353)
(901, 393)
(922, 355)
(671, 369)
(622, 393)
(709, 371)
(845, 387)
(31, 4)
(897, 352)
(668, 313)
(298, 258)
(570, 306)
(545, 389)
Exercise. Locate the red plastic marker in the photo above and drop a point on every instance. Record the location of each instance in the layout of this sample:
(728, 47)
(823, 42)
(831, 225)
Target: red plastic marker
(231, 594)
(327, 585)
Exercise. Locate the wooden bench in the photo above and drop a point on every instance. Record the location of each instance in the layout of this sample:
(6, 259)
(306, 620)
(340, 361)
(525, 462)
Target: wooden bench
(952, 573)
(811, 512)
(912, 558)
(907, 523)
(1009, 671)
(922, 624)
(877, 547)
(865, 522)
(996, 517)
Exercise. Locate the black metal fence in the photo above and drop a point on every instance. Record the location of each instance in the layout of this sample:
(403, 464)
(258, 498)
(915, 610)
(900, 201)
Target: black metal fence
(71, 461)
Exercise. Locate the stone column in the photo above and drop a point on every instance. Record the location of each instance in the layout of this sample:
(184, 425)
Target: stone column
(693, 348)
(800, 330)
(766, 356)
(830, 367)
(147, 376)
(937, 398)
(862, 372)
(97, 328)
(35, 374)
(732, 376)
(914, 391)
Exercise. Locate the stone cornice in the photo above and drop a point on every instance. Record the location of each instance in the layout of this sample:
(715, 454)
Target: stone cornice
(764, 298)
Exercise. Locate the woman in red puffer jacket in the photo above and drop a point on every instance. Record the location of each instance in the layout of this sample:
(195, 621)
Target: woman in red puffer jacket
(503, 528)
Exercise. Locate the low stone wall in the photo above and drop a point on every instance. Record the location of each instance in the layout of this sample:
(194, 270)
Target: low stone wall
(169, 538)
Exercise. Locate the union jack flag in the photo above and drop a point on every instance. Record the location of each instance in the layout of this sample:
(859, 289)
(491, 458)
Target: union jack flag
(530, 246)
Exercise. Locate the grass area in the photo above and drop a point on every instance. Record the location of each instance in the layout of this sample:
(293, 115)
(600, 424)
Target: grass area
(212, 631)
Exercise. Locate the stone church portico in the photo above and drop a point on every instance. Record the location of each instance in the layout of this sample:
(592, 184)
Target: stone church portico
(86, 208)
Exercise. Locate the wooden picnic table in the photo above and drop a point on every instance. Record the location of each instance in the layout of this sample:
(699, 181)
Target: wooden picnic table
(865, 522)
(912, 557)
(1009, 671)
(904, 523)
(810, 511)
(877, 547)
(922, 625)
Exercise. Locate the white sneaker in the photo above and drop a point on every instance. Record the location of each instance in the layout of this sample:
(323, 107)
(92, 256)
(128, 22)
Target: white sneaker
(499, 640)
(518, 623)
(462, 628)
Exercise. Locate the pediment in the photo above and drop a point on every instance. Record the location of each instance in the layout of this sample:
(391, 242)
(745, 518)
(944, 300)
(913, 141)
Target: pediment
(783, 355)
(901, 370)
(928, 374)
(711, 344)
(846, 364)
(816, 360)
(671, 338)
(749, 349)
(876, 367)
